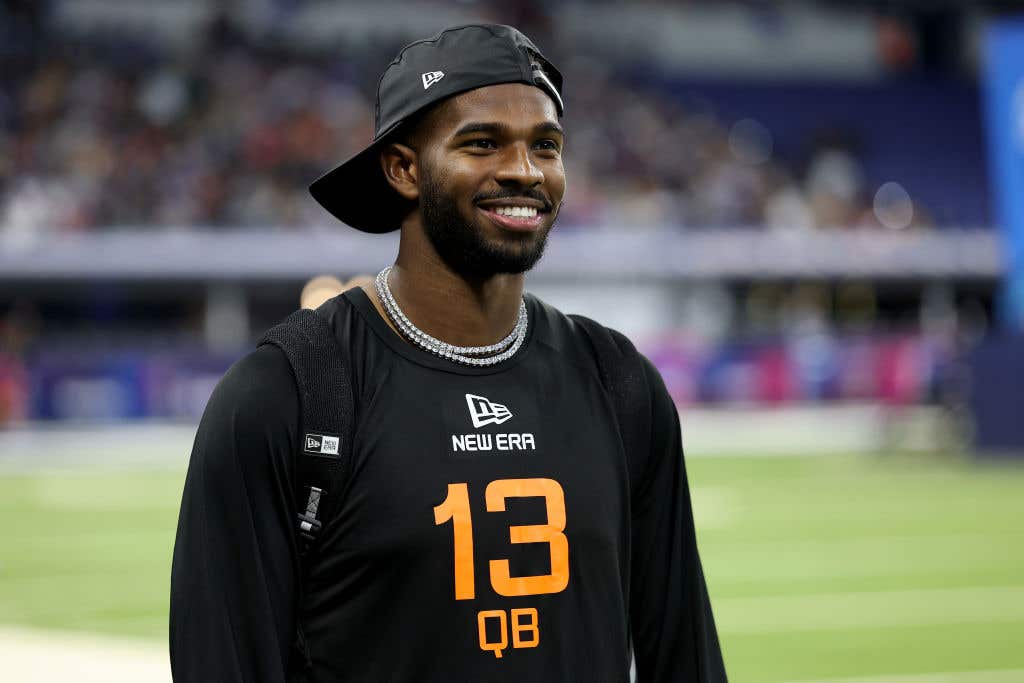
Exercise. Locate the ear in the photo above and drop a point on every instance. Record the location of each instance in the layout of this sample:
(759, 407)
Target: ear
(400, 164)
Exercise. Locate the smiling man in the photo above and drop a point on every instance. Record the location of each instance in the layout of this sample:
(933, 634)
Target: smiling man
(510, 502)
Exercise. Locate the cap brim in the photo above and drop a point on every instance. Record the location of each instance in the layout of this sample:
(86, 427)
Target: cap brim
(358, 194)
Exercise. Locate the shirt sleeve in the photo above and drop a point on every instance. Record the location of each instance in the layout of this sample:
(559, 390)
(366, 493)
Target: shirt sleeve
(674, 636)
(233, 576)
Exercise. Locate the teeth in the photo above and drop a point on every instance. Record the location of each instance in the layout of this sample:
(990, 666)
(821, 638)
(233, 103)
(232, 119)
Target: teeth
(516, 211)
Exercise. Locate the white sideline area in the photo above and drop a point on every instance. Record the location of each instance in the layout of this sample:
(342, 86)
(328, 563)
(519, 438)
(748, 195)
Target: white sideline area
(813, 429)
(52, 657)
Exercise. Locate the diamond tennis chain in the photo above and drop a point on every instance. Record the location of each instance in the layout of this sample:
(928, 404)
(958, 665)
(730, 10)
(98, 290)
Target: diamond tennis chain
(504, 349)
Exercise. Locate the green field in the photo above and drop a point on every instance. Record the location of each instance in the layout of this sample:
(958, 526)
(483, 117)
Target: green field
(819, 568)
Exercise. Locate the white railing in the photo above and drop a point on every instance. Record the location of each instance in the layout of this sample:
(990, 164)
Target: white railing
(637, 254)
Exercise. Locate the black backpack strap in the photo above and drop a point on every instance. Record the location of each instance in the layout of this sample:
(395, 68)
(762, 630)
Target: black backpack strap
(622, 374)
(621, 369)
(325, 397)
(327, 423)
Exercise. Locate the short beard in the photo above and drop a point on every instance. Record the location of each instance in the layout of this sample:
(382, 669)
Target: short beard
(461, 243)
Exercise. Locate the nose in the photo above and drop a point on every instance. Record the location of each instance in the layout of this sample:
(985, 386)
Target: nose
(516, 168)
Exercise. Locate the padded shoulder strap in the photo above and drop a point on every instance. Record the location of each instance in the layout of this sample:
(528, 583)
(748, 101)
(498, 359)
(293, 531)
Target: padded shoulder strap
(622, 373)
(325, 396)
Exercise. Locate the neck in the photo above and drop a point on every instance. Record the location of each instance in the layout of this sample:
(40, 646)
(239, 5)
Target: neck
(461, 310)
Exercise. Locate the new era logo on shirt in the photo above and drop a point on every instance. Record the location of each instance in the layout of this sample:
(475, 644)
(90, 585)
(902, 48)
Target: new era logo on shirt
(321, 444)
(484, 412)
(431, 77)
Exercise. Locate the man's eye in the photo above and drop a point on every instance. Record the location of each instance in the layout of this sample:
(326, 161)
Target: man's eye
(548, 145)
(482, 143)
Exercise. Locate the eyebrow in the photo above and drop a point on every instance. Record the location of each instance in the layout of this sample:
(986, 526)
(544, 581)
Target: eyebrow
(497, 128)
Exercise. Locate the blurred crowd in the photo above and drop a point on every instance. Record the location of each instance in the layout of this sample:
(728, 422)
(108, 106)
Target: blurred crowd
(110, 133)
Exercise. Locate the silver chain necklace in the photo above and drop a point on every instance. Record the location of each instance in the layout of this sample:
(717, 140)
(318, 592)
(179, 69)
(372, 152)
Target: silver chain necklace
(504, 349)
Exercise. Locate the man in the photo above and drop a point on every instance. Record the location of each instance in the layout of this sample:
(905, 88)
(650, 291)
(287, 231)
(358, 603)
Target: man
(494, 526)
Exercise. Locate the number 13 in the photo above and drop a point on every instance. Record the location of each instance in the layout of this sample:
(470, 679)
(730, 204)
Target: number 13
(456, 508)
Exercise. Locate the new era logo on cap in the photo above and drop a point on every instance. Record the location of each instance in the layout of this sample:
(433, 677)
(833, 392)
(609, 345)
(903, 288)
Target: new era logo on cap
(431, 77)
(321, 444)
(484, 412)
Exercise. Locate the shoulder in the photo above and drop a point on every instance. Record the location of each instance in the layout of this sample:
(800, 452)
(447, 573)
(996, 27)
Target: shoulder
(573, 331)
(348, 315)
(266, 367)
(616, 356)
(251, 422)
(258, 389)
(580, 333)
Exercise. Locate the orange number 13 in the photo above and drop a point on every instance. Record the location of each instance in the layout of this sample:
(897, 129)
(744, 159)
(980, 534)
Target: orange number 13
(456, 508)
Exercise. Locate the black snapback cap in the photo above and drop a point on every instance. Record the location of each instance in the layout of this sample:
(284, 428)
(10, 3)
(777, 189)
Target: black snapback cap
(457, 59)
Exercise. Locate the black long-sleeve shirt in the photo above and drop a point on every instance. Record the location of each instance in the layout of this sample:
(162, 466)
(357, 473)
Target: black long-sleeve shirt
(489, 530)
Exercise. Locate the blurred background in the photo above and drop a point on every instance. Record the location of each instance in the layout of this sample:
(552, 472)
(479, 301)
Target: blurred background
(809, 215)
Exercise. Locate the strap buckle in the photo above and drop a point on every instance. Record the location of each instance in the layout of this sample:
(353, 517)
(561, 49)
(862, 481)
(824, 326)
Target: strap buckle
(309, 525)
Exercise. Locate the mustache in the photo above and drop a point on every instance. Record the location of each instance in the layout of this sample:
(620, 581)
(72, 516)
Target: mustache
(527, 193)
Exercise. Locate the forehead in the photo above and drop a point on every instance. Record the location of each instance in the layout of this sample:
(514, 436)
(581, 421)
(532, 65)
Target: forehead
(512, 104)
